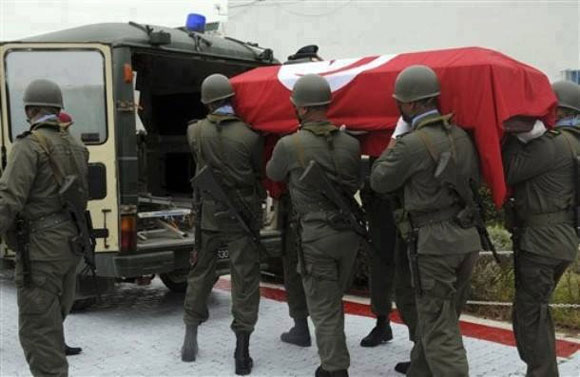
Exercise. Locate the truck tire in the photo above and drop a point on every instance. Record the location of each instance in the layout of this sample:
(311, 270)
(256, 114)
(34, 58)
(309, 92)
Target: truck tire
(176, 281)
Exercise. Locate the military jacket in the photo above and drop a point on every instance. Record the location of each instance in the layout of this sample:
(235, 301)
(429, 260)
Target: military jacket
(341, 163)
(541, 174)
(234, 152)
(410, 164)
(28, 187)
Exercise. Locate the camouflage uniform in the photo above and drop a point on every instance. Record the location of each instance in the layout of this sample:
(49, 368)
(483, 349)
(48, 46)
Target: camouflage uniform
(446, 251)
(234, 152)
(29, 188)
(328, 253)
(541, 174)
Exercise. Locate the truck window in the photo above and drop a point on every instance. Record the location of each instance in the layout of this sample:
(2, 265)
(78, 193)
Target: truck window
(80, 74)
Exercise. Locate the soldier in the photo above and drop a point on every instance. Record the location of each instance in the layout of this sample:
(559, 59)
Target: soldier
(40, 228)
(329, 245)
(444, 242)
(228, 146)
(381, 264)
(299, 334)
(543, 173)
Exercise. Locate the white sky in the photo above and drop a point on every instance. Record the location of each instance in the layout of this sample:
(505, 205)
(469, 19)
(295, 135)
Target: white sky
(25, 18)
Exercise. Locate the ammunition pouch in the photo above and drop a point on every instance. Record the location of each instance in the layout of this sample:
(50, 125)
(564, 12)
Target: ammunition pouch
(552, 218)
(420, 220)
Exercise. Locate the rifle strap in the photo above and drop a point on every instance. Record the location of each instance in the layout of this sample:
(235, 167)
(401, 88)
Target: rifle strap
(47, 147)
(569, 140)
(299, 149)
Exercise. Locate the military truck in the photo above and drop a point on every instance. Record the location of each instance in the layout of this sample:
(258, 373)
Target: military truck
(131, 90)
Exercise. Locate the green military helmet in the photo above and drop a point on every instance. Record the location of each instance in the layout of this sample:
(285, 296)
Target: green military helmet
(43, 93)
(216, 87)
(311, 90)
(415, 83)
(568, 94)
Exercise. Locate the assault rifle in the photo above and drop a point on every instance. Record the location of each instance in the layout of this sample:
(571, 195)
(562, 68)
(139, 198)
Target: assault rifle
(467, 190)
(210, 188)
(197, 208)
(22, 241)
(349, 210)
(74, 201)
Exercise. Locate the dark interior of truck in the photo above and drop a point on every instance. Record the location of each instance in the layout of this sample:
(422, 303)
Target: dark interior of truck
(169, 87)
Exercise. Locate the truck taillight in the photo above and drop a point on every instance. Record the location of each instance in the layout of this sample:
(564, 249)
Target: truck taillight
(128, 232)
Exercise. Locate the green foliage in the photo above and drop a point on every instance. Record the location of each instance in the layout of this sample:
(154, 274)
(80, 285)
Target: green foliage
(492, 215)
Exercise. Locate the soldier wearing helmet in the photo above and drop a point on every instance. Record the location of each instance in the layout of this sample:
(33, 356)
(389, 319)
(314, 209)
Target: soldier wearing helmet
(443, 242)
(329, 245)
(34, 223)
(226, 144)
(542, 169)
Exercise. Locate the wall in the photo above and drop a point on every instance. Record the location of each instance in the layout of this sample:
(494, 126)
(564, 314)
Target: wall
(544, 34)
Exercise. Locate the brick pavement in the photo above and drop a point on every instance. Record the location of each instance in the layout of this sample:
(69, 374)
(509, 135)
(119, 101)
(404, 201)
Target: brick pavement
(137, 331)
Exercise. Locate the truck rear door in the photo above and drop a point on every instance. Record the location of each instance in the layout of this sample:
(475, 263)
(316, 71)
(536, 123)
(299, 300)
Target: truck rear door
(84, 73)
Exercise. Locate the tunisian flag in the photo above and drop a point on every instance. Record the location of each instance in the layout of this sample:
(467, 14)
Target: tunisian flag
(481, 87)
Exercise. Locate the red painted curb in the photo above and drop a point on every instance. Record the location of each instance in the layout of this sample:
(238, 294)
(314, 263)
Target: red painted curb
(473, 330)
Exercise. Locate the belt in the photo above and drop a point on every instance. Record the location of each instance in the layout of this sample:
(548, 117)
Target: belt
(565, 216)
(318, 215)
(437, 216)
(48, 221)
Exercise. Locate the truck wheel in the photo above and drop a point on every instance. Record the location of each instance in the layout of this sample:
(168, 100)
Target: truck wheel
(176, 281)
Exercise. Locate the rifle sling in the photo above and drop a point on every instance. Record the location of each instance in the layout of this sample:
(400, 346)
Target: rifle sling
(47, 147)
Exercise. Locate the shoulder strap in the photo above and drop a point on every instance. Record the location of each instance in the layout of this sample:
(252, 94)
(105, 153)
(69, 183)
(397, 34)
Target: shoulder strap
(47, 147)
(569, 141)
(197, 141)
(299, 149)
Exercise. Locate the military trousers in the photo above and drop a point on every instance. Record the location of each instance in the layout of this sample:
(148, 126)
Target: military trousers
(381, 257)
(43, 305)
(328, 264)
(297, 306)
(404, 291)
(439, 350)
(536, 278)
(245, 275)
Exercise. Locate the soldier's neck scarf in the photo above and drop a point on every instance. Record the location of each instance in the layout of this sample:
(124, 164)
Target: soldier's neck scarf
(417, 118)
(571, 121)
(224, 110)
(43, 119)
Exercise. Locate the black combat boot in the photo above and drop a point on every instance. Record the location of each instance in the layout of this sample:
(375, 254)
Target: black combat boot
(380, 334)
(402, 367)
(244, 362)
(189, 348)
(324, 373)
(299, 334)
(72, 351)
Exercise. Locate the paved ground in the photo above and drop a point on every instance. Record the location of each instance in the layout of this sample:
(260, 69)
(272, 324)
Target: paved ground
(138, 331)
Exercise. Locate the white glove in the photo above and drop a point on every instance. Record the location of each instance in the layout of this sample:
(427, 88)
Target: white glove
(538, 130)
(401, 128)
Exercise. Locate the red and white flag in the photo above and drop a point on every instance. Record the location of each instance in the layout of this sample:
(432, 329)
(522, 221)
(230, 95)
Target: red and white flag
(481, 87)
